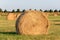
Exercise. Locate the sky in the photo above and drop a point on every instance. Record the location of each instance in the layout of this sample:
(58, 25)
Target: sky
(29, 4)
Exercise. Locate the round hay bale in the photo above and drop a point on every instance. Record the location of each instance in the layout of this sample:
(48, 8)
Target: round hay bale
(32, 23)
(11, 16)
(55, 13)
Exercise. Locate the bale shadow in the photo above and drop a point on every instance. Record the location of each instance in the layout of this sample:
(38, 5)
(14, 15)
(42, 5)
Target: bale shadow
(7, 32)
(56, 20)
(56, 24)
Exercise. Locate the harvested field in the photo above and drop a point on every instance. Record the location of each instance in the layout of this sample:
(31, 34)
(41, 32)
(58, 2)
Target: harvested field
(8, 31)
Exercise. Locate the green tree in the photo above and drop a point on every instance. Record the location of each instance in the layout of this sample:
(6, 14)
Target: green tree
(40, 9)
(5, 11)
(13, 11)
(18, 10)
(55, 10)
(45, 10)
(23, 10)
(50, 10)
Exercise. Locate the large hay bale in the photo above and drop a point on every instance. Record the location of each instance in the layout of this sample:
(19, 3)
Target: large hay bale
(32, 23)
(11, 16)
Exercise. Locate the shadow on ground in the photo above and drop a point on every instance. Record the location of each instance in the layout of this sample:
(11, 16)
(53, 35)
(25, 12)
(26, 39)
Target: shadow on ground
(56, 24)
(7, 32)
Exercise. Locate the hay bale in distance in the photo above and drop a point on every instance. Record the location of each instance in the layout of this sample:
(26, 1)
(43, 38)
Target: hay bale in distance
(32, 23)
(55, 13)
(11, 16)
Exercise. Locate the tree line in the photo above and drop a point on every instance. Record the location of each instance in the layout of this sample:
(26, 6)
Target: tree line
(18, 10)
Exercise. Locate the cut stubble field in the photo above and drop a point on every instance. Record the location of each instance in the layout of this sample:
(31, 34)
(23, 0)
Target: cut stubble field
(8, 30)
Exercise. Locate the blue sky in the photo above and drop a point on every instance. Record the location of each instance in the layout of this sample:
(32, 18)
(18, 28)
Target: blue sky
(27, 4)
